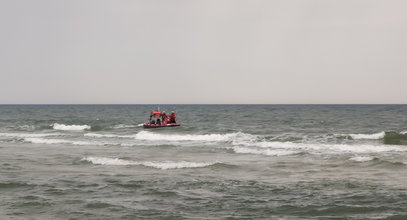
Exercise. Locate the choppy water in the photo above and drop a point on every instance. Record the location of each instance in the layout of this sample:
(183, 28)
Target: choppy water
(225, 161)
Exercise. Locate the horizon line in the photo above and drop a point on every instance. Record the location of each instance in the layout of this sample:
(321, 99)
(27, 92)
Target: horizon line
(218, 104)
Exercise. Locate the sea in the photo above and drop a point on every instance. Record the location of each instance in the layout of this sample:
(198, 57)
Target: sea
(223, 162)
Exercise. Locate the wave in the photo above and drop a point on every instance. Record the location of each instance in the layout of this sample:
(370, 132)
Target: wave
(320, 148)
(28, 135)
(397, 138)
(164, 165)
(63, 127)
(268, 152)
(35, 140)
(107, 135)
(362, 158)
(374, 136)
(25, 127)
(146, 135)
(388, 137)
(63, 141)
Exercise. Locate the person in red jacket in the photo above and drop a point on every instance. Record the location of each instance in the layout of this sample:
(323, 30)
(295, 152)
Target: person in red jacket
(173, 117)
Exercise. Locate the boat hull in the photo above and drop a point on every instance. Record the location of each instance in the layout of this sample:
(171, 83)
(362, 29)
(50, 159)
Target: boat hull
(149, 125)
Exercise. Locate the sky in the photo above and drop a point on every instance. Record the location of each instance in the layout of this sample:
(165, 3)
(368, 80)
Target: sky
(203, 52)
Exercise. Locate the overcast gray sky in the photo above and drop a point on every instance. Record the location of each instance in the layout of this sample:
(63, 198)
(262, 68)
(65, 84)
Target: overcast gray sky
(207, 51)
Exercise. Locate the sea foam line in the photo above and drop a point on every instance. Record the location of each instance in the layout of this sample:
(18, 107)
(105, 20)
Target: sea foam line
(164, 165)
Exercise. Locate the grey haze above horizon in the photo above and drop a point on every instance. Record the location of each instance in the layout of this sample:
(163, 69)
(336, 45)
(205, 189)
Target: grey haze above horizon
(203, 52)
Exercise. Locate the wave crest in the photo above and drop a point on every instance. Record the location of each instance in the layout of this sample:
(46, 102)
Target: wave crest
(375, 136)
(267, 152)
(27, 135)
(96, 135)
(61, 141)
(164, 165)
(64, 127)
(361, 158)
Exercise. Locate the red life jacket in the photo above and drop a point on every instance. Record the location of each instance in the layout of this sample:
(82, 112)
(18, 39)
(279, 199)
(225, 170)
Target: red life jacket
(156, 114)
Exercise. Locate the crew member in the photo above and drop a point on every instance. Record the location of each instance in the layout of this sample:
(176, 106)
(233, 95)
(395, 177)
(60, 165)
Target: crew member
(163, 116)
(173, 117)
(151, 116)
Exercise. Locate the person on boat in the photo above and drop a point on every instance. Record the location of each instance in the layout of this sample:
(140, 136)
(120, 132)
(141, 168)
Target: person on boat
(173, 117)
(154, 116)
(151, 117)
(163, 116)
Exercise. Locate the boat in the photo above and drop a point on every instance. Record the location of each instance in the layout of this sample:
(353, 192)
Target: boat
(159, 119)
(151, 125)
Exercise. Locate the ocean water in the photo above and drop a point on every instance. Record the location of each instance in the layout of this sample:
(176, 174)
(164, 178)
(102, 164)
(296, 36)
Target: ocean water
(224, 162)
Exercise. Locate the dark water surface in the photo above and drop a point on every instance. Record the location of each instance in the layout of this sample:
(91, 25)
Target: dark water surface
(225, 161)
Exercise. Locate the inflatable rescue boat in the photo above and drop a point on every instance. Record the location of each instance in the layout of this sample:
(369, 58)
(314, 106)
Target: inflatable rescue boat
(160, 119)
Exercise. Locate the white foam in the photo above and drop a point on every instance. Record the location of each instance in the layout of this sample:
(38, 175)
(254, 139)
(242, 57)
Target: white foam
(125, 126)
(60, 141)
(25, 135)
(26, 127)
(164, 165)
(403, 132)
(176, 165)
(361, 158)
(324, 148)
(268, 152)
(146, 135)
(109, 161)
(107, 135)
(63, 127)
(374, 136)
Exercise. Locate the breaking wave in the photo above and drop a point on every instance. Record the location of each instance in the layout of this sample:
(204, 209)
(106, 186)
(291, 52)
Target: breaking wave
(26, 135)
(164, 165)
(374, 136)
(107, 135)
(61, 141)
(146, 135)
(317, 148)
(362, 158)
(388, 137)
(63, 127)
(268, 152)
